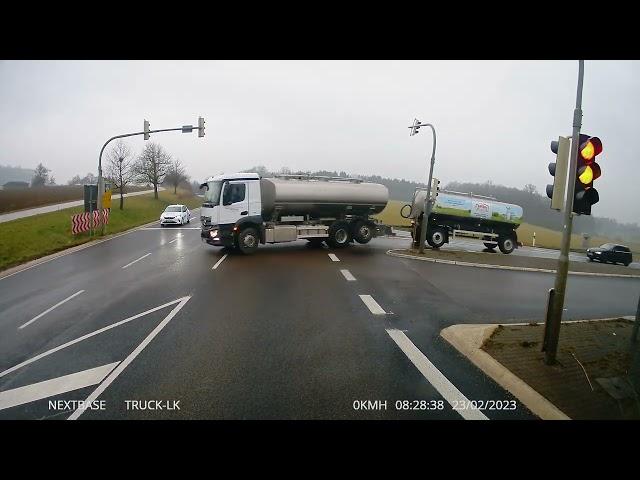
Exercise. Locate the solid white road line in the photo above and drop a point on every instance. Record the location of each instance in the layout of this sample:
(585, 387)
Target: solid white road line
(55, 386)
(219, 262)
(49, 309)
(333, 257)
(372, 305)
(173, 240)
(444, 387)
(128, 264)
(348, 276)
(88, 335)
(119, 369)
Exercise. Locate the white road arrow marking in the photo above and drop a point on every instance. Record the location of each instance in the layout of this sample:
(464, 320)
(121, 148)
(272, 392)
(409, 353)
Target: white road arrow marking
(89, 335)
(55, 386)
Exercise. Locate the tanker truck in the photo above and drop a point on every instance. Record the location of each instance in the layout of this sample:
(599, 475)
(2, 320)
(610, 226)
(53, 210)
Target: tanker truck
(243, 210)
(453, 213)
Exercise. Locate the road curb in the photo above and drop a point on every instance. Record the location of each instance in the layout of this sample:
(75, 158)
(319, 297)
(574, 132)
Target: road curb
(468, 339)
(67, 251)
(394, 253)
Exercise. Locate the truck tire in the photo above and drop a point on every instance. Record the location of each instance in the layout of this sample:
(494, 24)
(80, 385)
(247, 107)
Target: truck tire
(436, 237)
(339, 235)
(363, 231)
(248, 240)
(506, 244)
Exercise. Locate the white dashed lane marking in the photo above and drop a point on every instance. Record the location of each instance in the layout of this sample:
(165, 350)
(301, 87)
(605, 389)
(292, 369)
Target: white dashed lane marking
(131, 263)
(219, 262)
(49, 309)
(348, 276)
(333, 257)
(372, 305)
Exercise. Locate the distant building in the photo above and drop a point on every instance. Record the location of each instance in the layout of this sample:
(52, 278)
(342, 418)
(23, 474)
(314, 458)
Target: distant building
(13, 185)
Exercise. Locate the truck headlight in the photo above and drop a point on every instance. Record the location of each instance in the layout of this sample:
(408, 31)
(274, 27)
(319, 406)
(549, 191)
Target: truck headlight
(213, 233)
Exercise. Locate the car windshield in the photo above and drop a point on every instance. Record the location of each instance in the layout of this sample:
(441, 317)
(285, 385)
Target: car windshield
(212, 193)
(173, 209)
(606, 245)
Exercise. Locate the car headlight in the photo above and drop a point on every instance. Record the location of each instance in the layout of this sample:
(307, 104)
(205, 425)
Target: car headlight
(213, 233)
(597, 253)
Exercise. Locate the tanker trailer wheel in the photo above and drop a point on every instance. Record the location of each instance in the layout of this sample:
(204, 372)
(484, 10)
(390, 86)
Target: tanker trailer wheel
(363, 231)
(339, 235)
(506, 244)
(436, 237)
(248, 240)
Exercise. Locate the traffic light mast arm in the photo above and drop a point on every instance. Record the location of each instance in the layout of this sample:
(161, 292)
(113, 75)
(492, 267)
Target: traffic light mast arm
(100, 181)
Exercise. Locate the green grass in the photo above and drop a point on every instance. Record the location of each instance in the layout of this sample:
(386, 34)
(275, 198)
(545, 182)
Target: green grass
(39, 235)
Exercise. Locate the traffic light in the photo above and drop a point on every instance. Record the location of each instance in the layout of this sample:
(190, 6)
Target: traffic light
(587, 170)
(435, 188)
(415, 127)
(200, 127)
(146, 130)
(559, 170)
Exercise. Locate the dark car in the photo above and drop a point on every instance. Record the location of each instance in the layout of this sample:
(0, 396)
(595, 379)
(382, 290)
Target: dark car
(610, 252)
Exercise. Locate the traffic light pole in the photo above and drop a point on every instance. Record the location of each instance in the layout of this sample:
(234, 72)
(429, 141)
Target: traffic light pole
(554, 319)
(427, 201)
(184, 129)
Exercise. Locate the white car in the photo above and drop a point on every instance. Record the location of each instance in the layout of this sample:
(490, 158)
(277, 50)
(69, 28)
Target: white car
(175, 215)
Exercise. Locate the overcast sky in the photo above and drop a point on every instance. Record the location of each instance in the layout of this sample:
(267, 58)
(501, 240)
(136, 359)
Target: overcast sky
(494, 119)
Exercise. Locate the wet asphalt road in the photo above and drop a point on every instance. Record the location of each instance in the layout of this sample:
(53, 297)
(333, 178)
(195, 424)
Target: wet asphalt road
(282, 334)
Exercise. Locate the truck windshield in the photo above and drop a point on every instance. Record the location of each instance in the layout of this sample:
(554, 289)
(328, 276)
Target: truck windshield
(212, 194)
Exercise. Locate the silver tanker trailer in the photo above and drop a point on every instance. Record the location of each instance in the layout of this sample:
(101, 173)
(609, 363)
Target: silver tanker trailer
(242, 210)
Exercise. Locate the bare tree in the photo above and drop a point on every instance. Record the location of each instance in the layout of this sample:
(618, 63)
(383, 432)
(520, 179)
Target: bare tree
(176, 174)
(119, 163)
(152, 166)
(40, 176)
(530, 188)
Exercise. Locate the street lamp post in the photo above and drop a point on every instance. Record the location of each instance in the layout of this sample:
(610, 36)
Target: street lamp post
(427, 201)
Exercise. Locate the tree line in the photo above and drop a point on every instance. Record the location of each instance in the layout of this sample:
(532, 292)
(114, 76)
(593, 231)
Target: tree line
(154, 166)
(536, 206)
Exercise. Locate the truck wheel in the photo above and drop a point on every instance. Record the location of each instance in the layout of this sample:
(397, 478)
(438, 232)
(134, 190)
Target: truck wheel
(437, 237)
(506, 244)
(248, 240)
(339, 234)
(363, 232)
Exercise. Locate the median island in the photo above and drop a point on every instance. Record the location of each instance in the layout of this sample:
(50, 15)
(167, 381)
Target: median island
(498, 259)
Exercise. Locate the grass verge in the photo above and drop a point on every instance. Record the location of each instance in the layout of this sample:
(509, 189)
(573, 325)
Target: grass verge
(33, 237)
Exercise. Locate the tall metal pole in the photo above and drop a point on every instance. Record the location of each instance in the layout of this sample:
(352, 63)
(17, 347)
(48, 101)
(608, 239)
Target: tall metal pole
(427, 201)
(555, 318)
